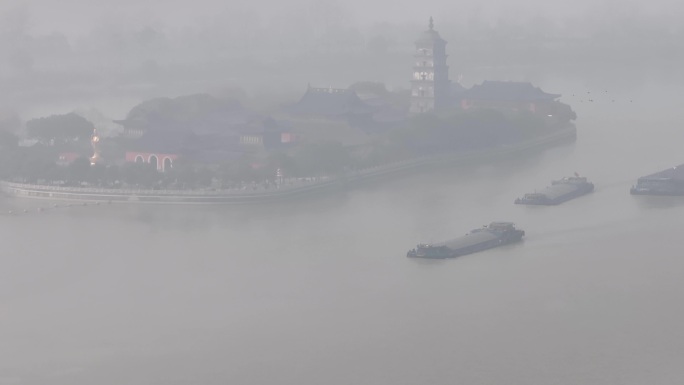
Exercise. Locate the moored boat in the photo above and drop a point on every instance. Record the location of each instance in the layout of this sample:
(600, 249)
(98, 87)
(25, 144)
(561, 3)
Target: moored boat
(667, 182)
(560, 191)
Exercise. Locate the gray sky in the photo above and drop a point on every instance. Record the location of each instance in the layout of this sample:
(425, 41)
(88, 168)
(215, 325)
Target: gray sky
(194, 46)
(74, 17)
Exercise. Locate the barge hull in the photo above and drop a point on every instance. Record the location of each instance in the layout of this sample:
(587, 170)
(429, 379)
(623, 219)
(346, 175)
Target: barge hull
(668, 182)
(475, 241)
(560, 191)
(558, 200)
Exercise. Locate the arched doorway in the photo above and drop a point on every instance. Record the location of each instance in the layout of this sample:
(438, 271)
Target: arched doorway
(139, 159)
(154, 162)
(167, 164)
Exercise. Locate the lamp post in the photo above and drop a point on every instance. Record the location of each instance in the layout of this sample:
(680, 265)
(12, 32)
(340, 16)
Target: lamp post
(95, 144)
(279, 177)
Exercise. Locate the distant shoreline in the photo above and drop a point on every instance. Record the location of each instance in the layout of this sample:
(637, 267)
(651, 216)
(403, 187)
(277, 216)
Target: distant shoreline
(241, 197)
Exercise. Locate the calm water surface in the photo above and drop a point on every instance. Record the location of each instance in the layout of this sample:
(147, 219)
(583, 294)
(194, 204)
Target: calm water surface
(320, 292)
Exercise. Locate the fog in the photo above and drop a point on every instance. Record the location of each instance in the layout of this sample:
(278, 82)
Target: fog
(111, 55)
(319, 290)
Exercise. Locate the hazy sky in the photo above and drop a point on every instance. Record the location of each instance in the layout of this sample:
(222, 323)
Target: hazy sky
(74, 17)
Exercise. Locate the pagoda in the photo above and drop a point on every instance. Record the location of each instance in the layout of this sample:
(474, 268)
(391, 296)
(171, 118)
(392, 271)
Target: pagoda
(430, 82)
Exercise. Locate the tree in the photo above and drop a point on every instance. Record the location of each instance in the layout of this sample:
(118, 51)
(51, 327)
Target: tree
(34, 169)
(324, 158)
(140, 174)
(182, 173)
(376, 88)
(79, 170)
(59, 128)
(36, 162)
(282, 161)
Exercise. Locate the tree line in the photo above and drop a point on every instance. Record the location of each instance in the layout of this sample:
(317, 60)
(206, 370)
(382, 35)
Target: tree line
(421, 135)
(37, 164)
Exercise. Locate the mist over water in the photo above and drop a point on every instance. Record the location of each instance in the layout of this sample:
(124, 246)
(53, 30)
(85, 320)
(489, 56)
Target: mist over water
(321, 292)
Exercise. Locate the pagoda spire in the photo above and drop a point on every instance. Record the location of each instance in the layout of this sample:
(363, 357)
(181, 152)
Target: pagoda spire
(430, 86)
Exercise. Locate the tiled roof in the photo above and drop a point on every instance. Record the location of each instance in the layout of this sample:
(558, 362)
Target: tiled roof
(507, 91)
(331, 103)
(429, 37)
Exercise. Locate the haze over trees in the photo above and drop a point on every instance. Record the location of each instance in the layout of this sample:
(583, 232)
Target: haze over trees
(143, 51)
(59, 128)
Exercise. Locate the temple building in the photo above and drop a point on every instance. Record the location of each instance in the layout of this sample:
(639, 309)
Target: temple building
(331, 103)
(430, 86)
(201, 128)
(516, 96)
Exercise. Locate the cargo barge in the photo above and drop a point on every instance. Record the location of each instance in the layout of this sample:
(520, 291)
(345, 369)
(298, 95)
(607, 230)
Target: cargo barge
(560, 191)
(487, 237)
(666, 182)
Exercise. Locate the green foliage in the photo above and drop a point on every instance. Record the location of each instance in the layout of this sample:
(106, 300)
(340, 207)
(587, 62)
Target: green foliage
(326, 158)
(60, 128)
(286, 163)
(140, 174)
(182, 174)
(79, 170)
(181, 110)
(529, 124)
(382, 154)
(466, 130)
(37, 169)
(399, 100)
(370, 87)
(424, 134)
(242, 170)
(32, 163)
(203, 176)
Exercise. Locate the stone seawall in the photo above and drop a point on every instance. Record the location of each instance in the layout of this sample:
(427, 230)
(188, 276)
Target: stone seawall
(286, 191)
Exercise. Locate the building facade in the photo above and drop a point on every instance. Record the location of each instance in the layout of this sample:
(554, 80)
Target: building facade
(330, 103)
(430, 82)
(162, 162)
(516, 97)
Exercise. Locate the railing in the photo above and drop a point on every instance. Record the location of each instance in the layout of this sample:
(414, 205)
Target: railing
(248, 190)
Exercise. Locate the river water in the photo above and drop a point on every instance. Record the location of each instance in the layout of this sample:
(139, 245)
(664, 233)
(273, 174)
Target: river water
(320, 291)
